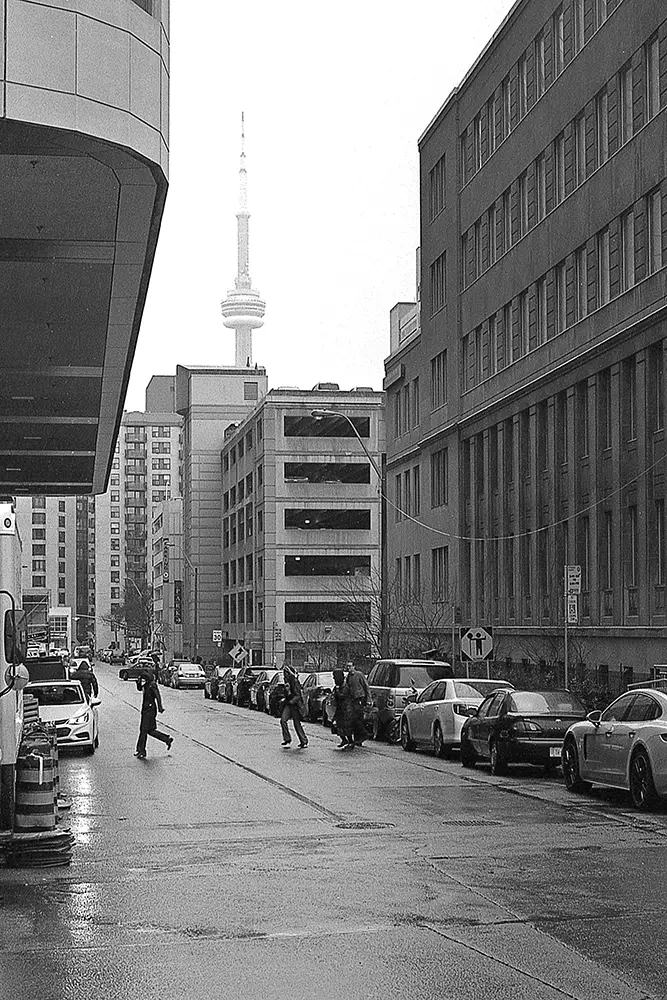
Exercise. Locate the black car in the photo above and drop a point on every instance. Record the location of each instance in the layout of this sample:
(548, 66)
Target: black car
(316, 688)
(519, 727)
(133, 671)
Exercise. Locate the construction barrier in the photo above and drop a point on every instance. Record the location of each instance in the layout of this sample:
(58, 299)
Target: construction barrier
(36, 804)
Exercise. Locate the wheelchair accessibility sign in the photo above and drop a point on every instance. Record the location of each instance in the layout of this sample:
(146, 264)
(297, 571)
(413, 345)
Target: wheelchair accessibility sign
(476, 643)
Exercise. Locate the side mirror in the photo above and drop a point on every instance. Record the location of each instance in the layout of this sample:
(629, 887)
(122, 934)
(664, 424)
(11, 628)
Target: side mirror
(594, 717)
(96, 701)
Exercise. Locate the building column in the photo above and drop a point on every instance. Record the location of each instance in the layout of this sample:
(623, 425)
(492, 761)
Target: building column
(595, 597)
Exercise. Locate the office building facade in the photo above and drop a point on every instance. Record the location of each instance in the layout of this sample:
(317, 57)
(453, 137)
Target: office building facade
(301, 527)
(540, 350)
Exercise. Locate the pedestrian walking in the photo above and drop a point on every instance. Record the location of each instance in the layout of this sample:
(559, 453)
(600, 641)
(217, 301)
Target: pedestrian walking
(343, 715)
(360, 696)
(84, 673)
(151, 704)
(293, 708)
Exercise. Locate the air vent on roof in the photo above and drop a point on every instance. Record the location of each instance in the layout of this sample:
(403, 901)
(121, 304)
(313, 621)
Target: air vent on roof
(327, 387)
(288, 388)
(363, 388)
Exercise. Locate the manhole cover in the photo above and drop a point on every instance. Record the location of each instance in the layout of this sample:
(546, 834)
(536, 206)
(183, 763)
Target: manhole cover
(363, 826)
(471, 822)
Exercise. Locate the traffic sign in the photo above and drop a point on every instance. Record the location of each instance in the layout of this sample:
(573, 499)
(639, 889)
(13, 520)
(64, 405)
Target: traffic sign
(573, 579)
(217, 635)
(476, 643)
(572, 609)
(238, 653)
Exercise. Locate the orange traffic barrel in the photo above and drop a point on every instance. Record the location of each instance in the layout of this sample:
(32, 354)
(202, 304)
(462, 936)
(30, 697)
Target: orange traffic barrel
(36, 807)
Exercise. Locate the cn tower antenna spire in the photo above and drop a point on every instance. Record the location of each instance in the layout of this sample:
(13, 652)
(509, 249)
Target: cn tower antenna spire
(243, 310)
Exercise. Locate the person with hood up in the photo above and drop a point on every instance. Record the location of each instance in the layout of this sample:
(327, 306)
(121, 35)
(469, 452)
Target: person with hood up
(151, 704)
(293, 708)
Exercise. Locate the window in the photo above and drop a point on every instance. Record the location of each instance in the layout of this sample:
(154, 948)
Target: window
(405, 406)
(507, 220)
(541, 295)
(39, 502)
(61, 506)
(491, 229)
(540, 65)
(656, 374)
(524, 320)
(608, 550)
(561, 297)
(440, 477)
(602, 127)
(308, 426)
(407, 492)
(579, 25)
(603, 266)
(437, 188)
(416, 576)
(478, 355)
(660, 541)
(39, 581)
(630, 399)
(39, 534)
(626, 126)
(580, 149)
(523, 204)
(653, 231)
(507, 329)
(250, 391)
(115, 576)
(627, 250)
(440, 573)
(39, 550)
(632, 547)
(398, 497)
(541, 186)
(161, 432)
(558, 32)
(61, 521)
(415, 402)
(522, 73)
(600, 11)
(506, 104)
(38, 518)
(416, 490)
(439, 380)
(580, 284)
(477, 249)
(491, 126)
(652, 65)
(604, 422)
(161, 447)
(465, 369)
(559, 169)
(477, 142)
(398, 413)
(39, 565)
(463, 151)
(493, 345)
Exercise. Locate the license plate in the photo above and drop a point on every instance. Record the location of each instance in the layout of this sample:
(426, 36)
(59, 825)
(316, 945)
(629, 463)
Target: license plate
(554, 751)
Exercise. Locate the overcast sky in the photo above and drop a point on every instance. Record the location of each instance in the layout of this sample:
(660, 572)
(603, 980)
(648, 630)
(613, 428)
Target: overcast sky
(335, 98)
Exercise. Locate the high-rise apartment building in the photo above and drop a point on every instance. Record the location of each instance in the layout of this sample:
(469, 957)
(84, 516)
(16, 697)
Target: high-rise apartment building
(532, 398)
(301, 519)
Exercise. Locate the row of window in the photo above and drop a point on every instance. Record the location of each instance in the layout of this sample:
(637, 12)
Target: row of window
(243, 445)
(39, 517)
(597, 132)
(555, 45)
(244, 488)
(39, 503)
(629, 249)
(407, 486)
(406, 406)
(240, 526)
(408, 584)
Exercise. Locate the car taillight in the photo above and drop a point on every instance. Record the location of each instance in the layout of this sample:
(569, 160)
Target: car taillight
(460, 709)
(524, 726)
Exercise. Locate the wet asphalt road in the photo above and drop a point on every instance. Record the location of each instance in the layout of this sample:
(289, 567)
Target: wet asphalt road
(231, 868)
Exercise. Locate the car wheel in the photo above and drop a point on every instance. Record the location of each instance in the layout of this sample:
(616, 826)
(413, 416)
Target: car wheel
(467, 753)
(642, 786)
(393, 731)
(123, 675)
(441, 748)
(498, 762)
(378, 729)
(406, 742)
(570, 759)
(89, 749)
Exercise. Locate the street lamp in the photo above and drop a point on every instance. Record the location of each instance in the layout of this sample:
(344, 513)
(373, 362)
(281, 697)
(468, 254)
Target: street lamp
(381, 474)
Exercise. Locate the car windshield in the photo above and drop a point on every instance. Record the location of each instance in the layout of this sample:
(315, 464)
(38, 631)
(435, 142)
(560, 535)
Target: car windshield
(478, 688)
(419, 675)
(57, 694)
(545, 702)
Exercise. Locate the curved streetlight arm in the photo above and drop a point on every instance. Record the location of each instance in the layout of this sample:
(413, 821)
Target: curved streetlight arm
(318, 414)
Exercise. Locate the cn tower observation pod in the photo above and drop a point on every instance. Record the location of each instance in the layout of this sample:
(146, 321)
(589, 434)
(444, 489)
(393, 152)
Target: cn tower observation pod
(83, 180)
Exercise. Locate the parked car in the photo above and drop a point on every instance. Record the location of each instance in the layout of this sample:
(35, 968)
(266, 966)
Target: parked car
(392, 683)
(131, 671)
(259, 689)
(625, 746)
(117, 656)
(316, 688)
(275, 693)
(437, 714)
(84, 651)
(64, 703)
(187, 675)
(519, 727)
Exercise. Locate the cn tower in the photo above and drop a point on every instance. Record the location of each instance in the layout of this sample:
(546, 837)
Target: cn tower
(243, 310)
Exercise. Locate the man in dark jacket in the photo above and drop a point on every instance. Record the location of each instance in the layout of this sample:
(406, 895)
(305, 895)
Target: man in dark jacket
(292, 708)
(151, 704)
(360, 695)
(84, 673)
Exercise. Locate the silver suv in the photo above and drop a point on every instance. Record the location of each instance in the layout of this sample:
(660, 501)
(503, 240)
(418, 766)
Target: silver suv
(393, 683)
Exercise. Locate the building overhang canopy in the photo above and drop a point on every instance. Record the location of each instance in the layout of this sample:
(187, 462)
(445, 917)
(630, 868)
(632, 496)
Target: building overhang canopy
(79, 219)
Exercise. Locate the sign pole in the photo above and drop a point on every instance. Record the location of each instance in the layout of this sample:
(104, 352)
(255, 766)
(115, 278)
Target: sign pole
(566, 613)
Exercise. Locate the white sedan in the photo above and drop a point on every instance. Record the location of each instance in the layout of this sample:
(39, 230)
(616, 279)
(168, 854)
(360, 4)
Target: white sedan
(437, 714)
(625, 747)
(64, 703)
